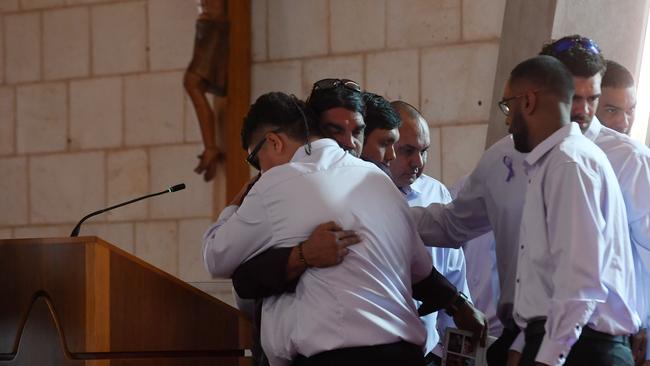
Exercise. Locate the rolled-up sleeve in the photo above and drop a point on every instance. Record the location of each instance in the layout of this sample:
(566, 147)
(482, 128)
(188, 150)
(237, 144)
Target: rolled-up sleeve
(635, 184)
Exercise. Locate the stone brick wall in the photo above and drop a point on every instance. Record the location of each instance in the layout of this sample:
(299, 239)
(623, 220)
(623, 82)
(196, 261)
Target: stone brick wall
(92, 109)
(92, 113)
(439, 55)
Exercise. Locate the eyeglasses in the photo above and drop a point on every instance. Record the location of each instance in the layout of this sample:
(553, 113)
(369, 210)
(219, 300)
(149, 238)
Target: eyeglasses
(503, 103)
(252, 158)
(566, 44)
(325, 84)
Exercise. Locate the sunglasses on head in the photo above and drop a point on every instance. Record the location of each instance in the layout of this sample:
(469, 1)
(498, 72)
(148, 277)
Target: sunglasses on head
(325, 84)
(566, 44)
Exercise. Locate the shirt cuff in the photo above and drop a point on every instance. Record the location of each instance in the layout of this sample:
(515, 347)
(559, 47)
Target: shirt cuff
(519, 343)
(552, 353)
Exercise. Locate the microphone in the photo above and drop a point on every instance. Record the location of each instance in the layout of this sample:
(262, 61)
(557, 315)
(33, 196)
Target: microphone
(176, 188)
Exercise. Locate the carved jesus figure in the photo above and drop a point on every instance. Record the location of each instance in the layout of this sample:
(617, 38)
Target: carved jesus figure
(207, 73)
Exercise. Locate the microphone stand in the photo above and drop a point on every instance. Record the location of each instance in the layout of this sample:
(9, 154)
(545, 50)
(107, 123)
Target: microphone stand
(75, 231)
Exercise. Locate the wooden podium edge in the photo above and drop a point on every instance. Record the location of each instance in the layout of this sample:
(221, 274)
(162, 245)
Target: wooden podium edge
(115, 249)
(43, 296)
(95, 272)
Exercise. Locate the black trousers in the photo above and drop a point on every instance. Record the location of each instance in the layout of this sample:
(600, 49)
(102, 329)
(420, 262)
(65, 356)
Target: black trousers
(592, 348)
(497, 353)
(400, 353)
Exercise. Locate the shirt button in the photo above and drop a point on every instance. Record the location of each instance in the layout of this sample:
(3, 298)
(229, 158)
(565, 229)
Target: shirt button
(517, 280)
(529, 181)
(522, 247)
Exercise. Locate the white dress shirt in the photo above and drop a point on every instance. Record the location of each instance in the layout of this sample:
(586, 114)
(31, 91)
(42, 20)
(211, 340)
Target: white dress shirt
(482, 276)
(631, 162)
(449, 262)
(365, 300)
(575, 264)
(491, 199)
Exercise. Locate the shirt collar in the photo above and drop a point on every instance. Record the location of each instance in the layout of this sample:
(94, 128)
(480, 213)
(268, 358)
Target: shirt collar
(413, 190)
(319, 144)
(594, 129)
(545, 146)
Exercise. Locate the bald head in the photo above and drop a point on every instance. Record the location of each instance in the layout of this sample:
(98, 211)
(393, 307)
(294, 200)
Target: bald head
(406, 110)
(411, 148)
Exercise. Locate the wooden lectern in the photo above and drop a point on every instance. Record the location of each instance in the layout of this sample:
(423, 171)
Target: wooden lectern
(82, 301)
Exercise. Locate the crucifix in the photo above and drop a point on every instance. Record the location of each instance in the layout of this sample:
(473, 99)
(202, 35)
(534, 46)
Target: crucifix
(208, 73)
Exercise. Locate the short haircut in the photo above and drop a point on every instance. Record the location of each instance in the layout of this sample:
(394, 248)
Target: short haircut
(321, 100)
(545, 73)
(379, 114)
(277, 110)
(617, 76)
(579, 54)
(403, 107)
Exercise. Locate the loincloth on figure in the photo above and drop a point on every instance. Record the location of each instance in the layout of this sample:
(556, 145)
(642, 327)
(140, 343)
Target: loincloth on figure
(210, 58)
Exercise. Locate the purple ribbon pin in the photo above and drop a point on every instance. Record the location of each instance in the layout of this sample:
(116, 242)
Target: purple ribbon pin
(507, 161)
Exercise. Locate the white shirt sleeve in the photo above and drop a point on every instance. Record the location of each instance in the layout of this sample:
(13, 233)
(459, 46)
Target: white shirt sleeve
(635, 183)
(574, 227)
(519, 343)
(455, 272)
(239, 234)
(454, 223)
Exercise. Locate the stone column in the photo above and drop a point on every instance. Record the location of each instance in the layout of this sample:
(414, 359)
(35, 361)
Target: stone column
(617, 26)
(526, 26)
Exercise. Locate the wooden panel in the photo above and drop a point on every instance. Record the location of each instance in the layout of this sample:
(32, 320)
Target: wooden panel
(30, 266)
(97, 301)
(188, 319)
(239, 86)
(40, 343)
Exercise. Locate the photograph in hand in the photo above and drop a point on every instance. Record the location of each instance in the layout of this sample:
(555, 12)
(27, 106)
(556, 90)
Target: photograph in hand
(460, 350)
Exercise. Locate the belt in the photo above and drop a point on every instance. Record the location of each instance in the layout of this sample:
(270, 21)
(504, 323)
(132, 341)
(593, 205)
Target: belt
(536, 327)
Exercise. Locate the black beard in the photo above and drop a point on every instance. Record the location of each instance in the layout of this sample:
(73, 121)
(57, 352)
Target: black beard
(520, 136)
(521, 144)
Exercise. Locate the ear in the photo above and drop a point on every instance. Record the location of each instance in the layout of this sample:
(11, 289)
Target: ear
(275, 142)
(531, 102)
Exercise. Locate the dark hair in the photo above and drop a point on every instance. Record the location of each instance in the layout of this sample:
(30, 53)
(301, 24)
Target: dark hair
(321, 100)
(277, 110)
(379, 114)
(617, 76)
(579, 54)
(546, 73)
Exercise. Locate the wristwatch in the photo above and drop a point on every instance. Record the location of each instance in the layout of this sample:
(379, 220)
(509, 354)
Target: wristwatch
(456, 303)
